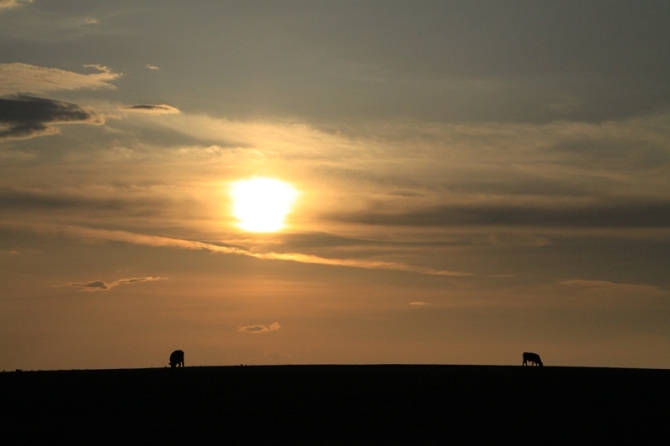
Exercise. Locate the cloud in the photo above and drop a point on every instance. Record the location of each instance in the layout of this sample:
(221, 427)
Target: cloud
(152, 67)
(157, 241)
(258, 329)
(6, 4)
(418, 304)
(25, 78)
(159, 109)
(358, 263)
(626, 293)
(587, 283)
(613, 287)
(591, 284)
(23, 117)
(614, 214)
(18, 199)
(99, 285)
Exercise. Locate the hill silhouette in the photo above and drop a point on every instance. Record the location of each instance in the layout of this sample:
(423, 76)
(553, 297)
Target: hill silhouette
(338, 404)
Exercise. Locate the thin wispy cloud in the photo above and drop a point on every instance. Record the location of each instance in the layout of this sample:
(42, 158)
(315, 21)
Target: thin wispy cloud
(418, 304)
(99, 285)
(260, 329)
(152, 240)
(26, 78)
(152, 67)
(356, 263)
(605, 285)
(581, 283)
(593, 291)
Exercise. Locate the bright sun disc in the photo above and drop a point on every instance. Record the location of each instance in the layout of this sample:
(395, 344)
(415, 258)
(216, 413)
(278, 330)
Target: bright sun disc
(261, 204)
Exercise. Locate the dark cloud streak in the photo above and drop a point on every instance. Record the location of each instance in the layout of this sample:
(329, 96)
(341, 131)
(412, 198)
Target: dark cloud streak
(158, 109)
(99, 285)
(26, 116)
(17, 199)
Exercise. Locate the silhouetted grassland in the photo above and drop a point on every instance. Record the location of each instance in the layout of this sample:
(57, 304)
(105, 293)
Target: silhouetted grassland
(329, 404)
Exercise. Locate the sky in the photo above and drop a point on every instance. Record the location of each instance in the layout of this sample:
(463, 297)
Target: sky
(472, 180)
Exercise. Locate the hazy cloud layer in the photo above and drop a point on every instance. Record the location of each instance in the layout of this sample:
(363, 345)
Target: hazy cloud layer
(99, 285)
(24, 117)
(260, 329)
(160, 109)
(563, 174)
(410, 176)
(25, 78)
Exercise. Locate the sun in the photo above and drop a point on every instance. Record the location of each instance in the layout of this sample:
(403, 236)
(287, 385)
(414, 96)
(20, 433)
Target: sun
(261, 204)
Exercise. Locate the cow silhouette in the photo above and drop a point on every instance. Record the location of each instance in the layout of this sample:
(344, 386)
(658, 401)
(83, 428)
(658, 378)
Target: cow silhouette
(176, 358)
(531, 359)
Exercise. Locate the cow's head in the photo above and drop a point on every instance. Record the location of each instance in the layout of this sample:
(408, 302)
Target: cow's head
(172, 364)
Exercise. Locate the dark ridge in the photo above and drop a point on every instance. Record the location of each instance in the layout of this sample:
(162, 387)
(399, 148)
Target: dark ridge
(328, 404)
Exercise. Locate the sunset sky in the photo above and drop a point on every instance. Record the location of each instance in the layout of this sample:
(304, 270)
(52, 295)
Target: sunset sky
(470, 180)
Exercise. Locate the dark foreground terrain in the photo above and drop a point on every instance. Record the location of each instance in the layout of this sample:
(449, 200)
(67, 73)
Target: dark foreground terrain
(385, 405)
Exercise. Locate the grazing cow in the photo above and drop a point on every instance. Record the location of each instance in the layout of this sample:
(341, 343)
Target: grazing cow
(531, 359)
(176, 358)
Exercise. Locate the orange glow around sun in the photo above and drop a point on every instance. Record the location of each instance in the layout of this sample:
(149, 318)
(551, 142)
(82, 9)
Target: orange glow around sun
(262, 204)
